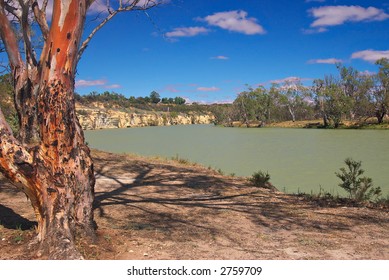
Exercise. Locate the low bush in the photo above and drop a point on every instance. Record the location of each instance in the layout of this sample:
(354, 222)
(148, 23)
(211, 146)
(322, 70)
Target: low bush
(260, 179)
(359, 188)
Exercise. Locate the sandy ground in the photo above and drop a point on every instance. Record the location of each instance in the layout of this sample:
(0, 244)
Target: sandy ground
(158, 209)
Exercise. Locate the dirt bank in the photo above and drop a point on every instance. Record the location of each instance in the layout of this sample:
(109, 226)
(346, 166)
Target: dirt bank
(154, 209)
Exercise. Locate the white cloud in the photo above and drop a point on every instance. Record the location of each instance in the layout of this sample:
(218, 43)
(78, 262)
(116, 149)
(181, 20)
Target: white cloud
(367, 73)
(186, 32)
(287, 80)
(93, 83)
(148, 3)
(100, 6)
(113, 86)
(208, 89)
(325, 61)
(337, 15)
(220, 57)
(315, 30)
(89, 83)
(236, 21)
(370, 55)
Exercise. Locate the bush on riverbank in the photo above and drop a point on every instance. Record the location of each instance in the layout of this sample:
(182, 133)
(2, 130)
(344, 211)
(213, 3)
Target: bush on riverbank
(359, 188)
(260, 179)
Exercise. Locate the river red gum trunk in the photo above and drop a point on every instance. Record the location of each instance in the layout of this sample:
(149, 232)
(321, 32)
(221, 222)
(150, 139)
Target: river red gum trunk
(64, 164)
(56, 173)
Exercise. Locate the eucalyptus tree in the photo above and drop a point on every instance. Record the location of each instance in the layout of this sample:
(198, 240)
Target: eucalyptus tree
(49, 160)
(380, 93)
(292, 95)
(331, 100)
(356, 87)
(253, 105)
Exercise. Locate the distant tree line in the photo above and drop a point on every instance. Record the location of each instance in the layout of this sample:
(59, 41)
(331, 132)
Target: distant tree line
(119, 99)
(351, 95)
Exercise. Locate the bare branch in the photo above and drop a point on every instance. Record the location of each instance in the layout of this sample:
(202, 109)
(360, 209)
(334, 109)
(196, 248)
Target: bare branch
(9, 39)
(30, 55)
(16, 163)
(124, 6)
(13, 9)
(44, 5)
(40, 16)
(89, 38)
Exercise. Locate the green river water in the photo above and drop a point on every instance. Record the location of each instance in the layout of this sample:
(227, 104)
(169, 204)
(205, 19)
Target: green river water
(302, 160)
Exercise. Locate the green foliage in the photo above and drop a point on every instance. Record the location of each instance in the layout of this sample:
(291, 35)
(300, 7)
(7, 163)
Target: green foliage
(7, 103)
(179, 100)
(350, 95)
(153, 102)
(260, 179)
(331, 100)
(253, 105)
(291, 96)
(173, 115)
(262, 106)
(380, 91)
(154, 97)
(359, 188)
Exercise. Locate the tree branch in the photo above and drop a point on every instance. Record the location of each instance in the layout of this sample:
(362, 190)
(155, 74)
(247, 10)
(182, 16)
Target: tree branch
(16, 163)
(9, 40)
(89, 38)
(40, 16)
(30, 55)
(124, 6)
(12, 9)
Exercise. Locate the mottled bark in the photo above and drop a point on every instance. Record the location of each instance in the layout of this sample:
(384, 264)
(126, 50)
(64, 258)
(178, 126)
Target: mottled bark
(56, 171)
(65, 156)
(25, 103)
(50, 161)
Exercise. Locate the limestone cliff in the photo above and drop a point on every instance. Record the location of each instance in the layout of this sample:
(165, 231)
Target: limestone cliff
(101, 118)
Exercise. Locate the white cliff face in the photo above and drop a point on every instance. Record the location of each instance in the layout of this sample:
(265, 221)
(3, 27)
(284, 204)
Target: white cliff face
(101, 118)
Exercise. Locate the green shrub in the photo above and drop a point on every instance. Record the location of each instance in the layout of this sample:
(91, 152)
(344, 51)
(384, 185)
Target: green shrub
(173, 115)
(260, 179)
(359, 188)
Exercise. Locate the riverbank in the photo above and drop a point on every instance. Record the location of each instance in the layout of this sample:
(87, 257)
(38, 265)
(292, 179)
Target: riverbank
(146, 208)
(298, 160)
(97, 116)
(368, 124)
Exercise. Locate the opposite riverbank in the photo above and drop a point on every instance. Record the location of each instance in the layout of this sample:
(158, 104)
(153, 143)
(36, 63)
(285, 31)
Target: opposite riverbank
(367, 124)
(146, 208)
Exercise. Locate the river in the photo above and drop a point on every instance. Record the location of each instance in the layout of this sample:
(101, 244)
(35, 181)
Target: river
(298, 160)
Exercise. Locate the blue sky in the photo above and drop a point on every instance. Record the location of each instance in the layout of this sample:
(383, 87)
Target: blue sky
(208, 51)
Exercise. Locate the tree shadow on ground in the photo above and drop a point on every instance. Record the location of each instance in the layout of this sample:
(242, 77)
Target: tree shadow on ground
(12, 220)
(167, 198)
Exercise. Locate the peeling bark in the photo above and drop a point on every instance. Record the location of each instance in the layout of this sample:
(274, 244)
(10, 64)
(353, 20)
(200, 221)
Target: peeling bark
(50, 161)
(56, 172)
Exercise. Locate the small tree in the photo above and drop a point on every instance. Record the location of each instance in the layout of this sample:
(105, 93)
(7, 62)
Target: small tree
(380, 92)
(260, 179)
(356, 87)
(331, 100)
(179, 100)
(155, 97)
(359, 188)
(292, 97)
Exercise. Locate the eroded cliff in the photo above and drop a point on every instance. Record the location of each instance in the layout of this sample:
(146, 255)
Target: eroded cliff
(98, 117)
